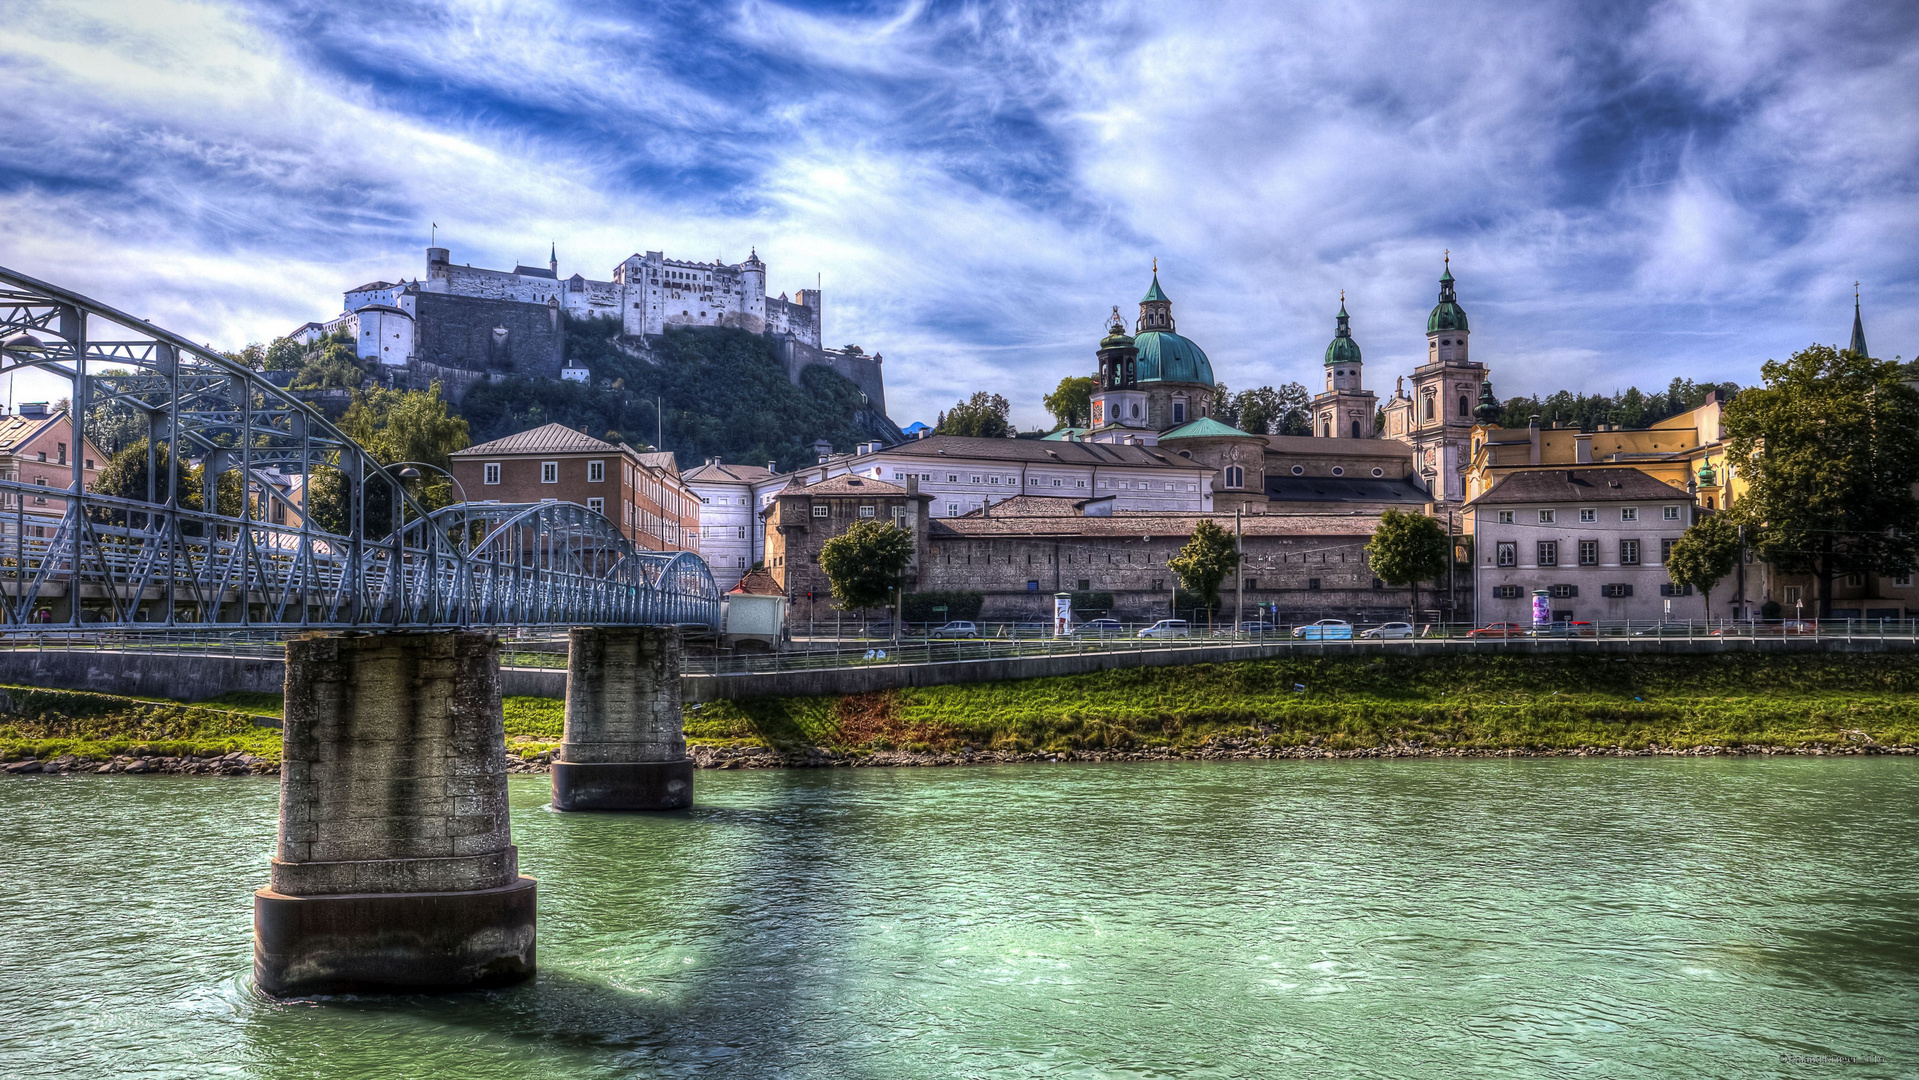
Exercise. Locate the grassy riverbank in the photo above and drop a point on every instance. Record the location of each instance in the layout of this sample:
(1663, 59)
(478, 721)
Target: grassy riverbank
(1471, 703)
(45, 724)
(1474, 703)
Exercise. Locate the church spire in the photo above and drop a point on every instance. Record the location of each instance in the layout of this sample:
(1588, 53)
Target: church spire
(553, 257)
(1858, 345)
(1155, 310)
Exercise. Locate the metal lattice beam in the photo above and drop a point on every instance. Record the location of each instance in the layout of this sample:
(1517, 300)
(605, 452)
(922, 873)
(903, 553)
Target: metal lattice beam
(106, 562)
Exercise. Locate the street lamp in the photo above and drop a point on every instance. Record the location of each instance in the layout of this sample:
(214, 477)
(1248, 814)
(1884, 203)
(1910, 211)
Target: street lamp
(412, 472)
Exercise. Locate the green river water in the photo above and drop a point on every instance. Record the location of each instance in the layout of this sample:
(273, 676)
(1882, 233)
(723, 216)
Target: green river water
(1498, 918)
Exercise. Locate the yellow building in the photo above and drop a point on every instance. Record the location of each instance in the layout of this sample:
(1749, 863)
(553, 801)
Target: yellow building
(1687, 452)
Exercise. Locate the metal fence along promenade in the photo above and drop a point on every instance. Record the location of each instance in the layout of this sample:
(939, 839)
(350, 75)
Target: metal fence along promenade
(216, 540)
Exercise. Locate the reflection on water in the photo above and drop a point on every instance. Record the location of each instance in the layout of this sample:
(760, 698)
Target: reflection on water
(1258, 919)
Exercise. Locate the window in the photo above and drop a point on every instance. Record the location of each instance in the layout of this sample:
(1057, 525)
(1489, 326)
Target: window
(1299, 470)
(1902, 581)
(1465, 407)
(89, 463)
(597, 505)
(952, 509)
(742, 535)
(819, 510)
(704, 501)
(1179, 412)
(975, 479)
(1547, 517)
(1252, 584)
(1508, 554)
(1615, 592)
(1669, 589)
(1549, 553)
(953, 478)
(742, 562)
(1079, 483)
(1672, 513)
(1588, 514)
(1505, 592)
(60, 450)
(1563, 592)
(1505, 517)
(1339, 470)
(549, 472)
(595, 472)
(1629, 553)
(1589, 553)
(490, 473)
(1312, 583)
(1792, 594)
(995, 480)
(1429, 406)
(1629, 513)
(1665, 551)
(1057, 482)
(866, 511)
(1235, 476)
(1169, 487)
(1032, 481)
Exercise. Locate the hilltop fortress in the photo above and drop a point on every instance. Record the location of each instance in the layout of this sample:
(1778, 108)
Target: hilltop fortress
(461, 324)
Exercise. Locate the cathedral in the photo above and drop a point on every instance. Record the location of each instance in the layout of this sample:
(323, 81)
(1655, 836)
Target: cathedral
(1155, 387)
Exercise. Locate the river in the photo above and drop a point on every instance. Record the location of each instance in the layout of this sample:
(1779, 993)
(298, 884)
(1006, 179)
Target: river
(1511, 918)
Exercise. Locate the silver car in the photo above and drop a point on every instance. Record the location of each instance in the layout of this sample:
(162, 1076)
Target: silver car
(1168, 628)
(1390, 630)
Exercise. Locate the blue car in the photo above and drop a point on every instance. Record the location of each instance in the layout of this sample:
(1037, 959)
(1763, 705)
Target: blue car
(1325, 630)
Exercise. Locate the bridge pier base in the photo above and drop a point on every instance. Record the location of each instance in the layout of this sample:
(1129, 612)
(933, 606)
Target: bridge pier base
(396, 869)
(624, 748)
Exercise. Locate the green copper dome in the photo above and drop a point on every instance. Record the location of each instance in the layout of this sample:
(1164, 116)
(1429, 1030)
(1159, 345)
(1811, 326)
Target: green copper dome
(1447, 315)
(1167, 357)
(1343, 350)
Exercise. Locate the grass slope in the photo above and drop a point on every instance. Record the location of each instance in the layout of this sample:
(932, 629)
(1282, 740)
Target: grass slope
(38, 723)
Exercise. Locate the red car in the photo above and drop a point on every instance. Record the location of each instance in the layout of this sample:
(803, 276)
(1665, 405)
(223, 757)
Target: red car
(1502, 630)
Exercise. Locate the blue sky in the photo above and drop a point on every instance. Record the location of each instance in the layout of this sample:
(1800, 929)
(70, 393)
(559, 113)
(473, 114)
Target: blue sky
(1631, 191)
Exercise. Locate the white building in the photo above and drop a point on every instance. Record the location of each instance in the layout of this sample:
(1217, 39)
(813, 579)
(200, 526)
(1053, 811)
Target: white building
(729, 516)
(1596, 540)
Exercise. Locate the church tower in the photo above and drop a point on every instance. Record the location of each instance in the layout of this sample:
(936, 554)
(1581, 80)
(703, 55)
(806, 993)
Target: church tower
(1117, 400)
(1346, 409)
(1445, 388)
(1858, 345)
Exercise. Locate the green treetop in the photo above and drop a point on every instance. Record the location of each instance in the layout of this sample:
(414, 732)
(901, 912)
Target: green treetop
(1205, 561)
(1071, 402)
(1407, 549)
(1829, 448)
(982, 416)
(1707, 552)
(864, 563)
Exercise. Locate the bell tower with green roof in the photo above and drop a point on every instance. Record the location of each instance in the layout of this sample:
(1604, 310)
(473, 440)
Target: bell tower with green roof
(1346, 410)
(1438, 418)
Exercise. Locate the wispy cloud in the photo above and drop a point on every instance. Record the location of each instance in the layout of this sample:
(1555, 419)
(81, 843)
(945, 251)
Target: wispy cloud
(1631, 192)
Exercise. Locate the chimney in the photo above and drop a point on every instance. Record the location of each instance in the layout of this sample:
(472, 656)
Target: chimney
(33, 409)
(912, 486)
(986, 508)
(773, 466)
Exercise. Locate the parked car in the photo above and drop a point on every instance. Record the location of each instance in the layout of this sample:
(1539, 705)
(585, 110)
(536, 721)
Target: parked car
(1501, 630)
(1168, 628)
(955, 629)
(1390, 630)
(1325, 630)
(1100, 628)
(1669, 629)
(1567, 630)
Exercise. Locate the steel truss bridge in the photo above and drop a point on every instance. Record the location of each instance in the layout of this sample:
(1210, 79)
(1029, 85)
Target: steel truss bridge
(221, 542)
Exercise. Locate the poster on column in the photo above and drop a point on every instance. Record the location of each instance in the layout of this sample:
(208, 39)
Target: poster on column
(1542, 608)
(1062, 614)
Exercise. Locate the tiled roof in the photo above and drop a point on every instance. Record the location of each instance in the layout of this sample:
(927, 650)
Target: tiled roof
(661, 459)
(847, 484)
(1037, 451)
(1577, 485)
(1035, 506)
(758, 582)
(1310, 446)
(372, 286)
(720, 471)
(1337, 489)
(16, 429)
(1206, 428)
(550, 439)
(1148, 523)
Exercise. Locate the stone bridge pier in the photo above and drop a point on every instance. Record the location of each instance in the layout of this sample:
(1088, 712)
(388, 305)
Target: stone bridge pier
(396, 870)
(624, 748)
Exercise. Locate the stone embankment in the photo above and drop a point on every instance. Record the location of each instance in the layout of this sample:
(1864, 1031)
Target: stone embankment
(234, 764)
(813, 757)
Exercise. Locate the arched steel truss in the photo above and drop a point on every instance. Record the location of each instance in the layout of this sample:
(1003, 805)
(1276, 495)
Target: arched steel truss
(91, 561)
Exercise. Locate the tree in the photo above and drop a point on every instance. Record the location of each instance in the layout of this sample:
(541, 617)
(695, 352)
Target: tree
(1295, 411)
(865, 562)
(1204, 562)
(1829, 449)
(1407, 549)
(392, 425)
(253, 357)
(1071, 402)
(1707, 552)
(126, 476)
(981, 416)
